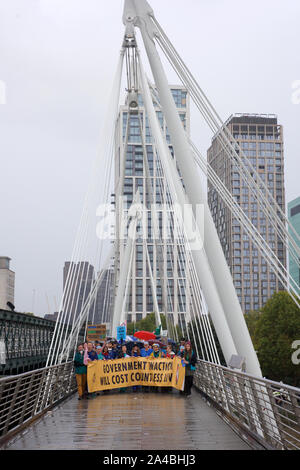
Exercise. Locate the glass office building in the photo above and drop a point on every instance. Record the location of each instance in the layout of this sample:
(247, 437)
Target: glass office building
(294, 219)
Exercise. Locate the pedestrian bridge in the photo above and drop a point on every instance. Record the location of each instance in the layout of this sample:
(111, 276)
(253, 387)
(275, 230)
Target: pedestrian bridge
(227, 410)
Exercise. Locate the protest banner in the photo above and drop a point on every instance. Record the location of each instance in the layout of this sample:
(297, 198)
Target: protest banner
(96, 332)
(121, 332)
(119, 373)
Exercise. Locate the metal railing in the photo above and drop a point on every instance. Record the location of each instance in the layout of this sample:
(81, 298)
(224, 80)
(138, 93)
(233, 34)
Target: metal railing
(269, 411)
(26, 396)
(27, 341)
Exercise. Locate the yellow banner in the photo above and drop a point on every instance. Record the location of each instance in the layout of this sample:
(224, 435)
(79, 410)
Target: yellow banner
(119, 373)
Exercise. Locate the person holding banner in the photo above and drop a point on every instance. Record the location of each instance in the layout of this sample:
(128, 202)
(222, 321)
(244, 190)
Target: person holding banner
(91, 353)
(80, 371)
(123, 352)
(89, 356)
(123, 355)
(181, 347)
(156, 353)
(169, 353)
(146, 350)
(190, 361)
(114, 351)
(105, 352)
(136, 353)
(99, 353)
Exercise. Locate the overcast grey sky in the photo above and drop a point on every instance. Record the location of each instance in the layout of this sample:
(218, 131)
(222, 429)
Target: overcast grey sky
(58, 57)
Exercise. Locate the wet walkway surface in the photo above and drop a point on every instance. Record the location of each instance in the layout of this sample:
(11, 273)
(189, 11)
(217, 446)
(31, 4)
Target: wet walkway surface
(133, 421)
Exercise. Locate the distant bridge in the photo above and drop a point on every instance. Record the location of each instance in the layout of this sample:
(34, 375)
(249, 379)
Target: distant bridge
(27, 341)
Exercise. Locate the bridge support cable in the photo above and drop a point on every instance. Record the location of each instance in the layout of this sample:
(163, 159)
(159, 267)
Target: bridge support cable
(81, 247)
(168, 209)
(155, 228)
(273, 261)
(249, 174)
(111, 123)
(133, 88)
(196, 287)
(153, 289)
(107, 299)
(134, 214)
(72, 339)
(213, 356)
(184, 253)
(206, 334)
(128, 269)
(164, 193)
(133, 109)
(203, 320)
(270, 256)
(178, 196)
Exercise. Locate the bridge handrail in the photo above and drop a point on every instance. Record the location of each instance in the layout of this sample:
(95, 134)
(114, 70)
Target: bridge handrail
(27, 340)
(25, 397)
(249, 401)
(245, 374)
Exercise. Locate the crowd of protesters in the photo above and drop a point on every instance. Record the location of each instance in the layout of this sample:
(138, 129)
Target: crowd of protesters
(111, 349)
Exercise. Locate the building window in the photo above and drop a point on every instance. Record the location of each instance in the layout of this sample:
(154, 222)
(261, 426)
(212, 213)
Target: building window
(179, 98)
(295, 210)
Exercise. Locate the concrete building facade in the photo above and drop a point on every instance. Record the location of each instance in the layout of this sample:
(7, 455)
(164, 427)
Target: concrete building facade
(7, 283)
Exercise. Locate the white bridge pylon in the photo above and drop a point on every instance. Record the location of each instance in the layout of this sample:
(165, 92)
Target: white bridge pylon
(211, 267)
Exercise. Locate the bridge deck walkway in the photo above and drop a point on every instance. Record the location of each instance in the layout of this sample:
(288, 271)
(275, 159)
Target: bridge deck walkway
(134, 421)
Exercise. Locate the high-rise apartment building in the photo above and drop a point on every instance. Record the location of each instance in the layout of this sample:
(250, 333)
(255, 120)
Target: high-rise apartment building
(81, 277)
(261, 139)
(7, 283)
(78, 278)
(294, 219)
(103, 305)
(166, 256)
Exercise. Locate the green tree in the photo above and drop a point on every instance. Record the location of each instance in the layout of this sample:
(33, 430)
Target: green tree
(251, 319)
(146, 324)
(273, 332)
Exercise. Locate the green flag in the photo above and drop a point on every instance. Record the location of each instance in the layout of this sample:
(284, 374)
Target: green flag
(157, 331)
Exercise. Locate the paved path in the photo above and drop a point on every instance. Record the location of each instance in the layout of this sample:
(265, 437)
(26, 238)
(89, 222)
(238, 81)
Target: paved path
(131, 421)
